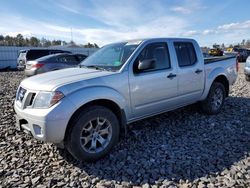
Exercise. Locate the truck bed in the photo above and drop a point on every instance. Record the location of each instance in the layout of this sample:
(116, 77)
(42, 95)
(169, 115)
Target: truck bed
(208, 60)
(223, 65)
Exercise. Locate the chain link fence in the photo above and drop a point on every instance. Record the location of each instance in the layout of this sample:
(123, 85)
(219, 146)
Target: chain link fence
(9, 54)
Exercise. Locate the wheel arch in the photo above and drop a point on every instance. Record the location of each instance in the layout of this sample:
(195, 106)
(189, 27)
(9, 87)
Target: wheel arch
(109, 104)
(223, 80)
(217, 75)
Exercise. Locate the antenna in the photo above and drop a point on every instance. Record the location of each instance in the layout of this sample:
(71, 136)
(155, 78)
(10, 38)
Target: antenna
(71, 34)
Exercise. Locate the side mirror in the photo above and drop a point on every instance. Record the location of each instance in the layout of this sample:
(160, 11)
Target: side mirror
(146, 64)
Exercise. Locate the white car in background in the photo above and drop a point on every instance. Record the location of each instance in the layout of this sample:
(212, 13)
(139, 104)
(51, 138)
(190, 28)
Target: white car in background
(247, 69)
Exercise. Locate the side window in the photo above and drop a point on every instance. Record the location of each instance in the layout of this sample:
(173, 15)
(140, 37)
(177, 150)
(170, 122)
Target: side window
(70, 59)
(54, 52)
(185, 53)
(80, 57)
(157, 51)
(62, 59)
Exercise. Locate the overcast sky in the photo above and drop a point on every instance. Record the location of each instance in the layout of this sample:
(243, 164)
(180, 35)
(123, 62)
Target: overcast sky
(106, 21)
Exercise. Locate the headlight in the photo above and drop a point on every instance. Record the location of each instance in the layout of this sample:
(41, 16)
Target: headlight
(47, 99)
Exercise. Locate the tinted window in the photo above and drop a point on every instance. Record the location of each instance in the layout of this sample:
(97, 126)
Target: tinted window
(67, 59)
(80, 57)
(44, 58)
(35, 54)
(62, 59)
(158, 52)
(70, 59)
(57, 51)
(185, 53)
(54, 52)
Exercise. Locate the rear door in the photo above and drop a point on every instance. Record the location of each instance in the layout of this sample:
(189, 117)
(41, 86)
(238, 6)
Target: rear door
(190, 72)
(153, 90)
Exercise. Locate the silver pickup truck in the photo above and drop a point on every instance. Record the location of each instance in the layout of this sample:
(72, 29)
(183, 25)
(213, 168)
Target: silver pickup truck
(85, 109)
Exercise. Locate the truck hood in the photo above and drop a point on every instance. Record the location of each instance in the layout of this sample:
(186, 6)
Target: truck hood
(51, 80)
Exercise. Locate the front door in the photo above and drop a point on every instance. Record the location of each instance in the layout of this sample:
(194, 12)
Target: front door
(153, 90)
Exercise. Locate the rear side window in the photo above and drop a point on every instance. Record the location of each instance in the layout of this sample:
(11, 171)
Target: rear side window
(54, 52)
(67, 59)
(62, 59)
(70, 59)
(35, 54)
(80, 57)
(185, 53)
(57, 51)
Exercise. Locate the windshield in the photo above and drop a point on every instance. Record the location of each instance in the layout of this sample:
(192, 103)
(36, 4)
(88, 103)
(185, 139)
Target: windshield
(110, 57)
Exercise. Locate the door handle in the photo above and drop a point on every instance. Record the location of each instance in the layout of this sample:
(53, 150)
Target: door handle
(198, 71)
(171, 76)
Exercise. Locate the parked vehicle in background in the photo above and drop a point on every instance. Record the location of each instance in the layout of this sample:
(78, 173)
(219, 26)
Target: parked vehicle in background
(53, 62)
(32, 54)
(229, 49)
(242, 54)
(205, 55)
(86, 108)
(80, 57)
(215, 52)
(247, 69)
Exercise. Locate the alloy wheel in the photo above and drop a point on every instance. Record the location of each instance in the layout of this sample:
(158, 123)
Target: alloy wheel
(96, 135)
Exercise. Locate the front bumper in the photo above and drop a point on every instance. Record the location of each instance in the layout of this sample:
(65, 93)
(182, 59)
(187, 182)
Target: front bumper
(247, 71)
(48, 125)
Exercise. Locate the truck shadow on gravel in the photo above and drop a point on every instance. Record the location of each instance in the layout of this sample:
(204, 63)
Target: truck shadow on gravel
(178, 145)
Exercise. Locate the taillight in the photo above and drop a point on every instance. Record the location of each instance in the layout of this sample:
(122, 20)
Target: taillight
(38, 65)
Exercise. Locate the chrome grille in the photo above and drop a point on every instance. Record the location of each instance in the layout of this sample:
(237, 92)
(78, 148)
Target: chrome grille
(20, 94)
(25, 98)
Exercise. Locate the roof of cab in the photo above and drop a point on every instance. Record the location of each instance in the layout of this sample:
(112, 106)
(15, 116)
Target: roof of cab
(138, 41)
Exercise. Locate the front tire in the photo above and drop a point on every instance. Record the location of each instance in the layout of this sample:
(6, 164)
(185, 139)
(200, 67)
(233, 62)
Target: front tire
(93, 133)
(247, 78)
(215, 99)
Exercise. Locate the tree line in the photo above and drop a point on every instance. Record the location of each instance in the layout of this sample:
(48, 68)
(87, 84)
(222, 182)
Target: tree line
(243, 44)
(20, 40)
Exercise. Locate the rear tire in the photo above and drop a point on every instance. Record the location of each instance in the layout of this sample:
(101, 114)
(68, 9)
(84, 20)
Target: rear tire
(92, 134)
(215, 99)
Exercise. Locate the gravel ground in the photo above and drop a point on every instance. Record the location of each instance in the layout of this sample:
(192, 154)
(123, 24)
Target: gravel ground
(182, 148)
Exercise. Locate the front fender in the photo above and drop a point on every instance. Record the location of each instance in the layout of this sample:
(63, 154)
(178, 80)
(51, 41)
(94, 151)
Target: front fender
(85, 95)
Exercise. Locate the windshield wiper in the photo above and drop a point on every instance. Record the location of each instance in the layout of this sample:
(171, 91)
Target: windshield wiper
(95, 67)
(82, 66)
